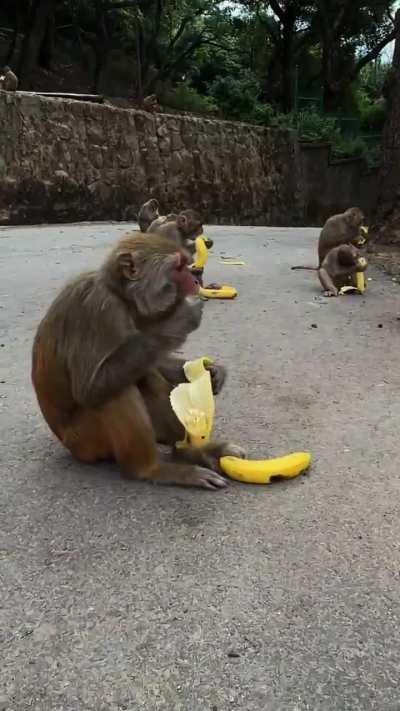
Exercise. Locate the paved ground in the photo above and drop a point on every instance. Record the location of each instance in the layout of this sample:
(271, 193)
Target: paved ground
(117, 595)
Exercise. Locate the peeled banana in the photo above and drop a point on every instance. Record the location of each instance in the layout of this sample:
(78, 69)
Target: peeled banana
(193, 404)
(362, 237)
(264, 470)
(224, 292)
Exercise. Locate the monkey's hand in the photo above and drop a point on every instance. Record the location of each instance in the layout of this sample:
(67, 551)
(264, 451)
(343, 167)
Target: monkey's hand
(218, 376)
(331, 293)
(174, 329)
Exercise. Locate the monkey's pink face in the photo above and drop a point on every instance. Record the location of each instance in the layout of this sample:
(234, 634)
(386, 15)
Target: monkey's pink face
(183, 277)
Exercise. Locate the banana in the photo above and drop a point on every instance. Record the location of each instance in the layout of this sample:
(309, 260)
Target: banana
(264, 470)
(361, 282)
(225, 292)
(201, 253)
(193, 369)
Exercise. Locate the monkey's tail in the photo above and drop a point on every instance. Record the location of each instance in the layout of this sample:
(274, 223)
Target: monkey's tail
(312, 269)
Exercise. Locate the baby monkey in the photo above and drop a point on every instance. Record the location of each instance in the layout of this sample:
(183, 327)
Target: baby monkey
(339, 268)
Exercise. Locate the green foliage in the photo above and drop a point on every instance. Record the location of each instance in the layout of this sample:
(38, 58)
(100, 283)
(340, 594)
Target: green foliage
(185, 98)
(236, 97)
(311, 126)
(372, 112)
(347, 147)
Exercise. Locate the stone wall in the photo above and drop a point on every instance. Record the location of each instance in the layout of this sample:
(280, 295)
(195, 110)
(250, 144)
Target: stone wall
(64, 160)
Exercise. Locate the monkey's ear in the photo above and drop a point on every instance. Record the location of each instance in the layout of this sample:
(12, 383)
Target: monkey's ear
(127, 265)
(181, 221)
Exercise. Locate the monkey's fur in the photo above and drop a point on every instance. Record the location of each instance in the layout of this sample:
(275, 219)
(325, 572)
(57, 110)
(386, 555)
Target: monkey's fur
(9, 80)
(102, 367)
(339, 267)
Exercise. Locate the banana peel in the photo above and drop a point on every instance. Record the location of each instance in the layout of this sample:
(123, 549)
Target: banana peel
(362, 237)
(193, 404)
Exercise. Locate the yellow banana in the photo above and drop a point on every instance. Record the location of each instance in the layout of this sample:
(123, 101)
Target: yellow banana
(263, 471)
(201, 253)
(361, 282)
(224, 292)
(193, 369)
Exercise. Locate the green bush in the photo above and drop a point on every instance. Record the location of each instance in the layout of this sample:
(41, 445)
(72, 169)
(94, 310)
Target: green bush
(313, 127)
(345, 147)
(236, 97)
(184, 98)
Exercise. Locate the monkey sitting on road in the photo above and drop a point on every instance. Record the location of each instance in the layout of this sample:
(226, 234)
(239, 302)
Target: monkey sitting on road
(339, 268)
(102, 366)
(337, 230)
(340, 229)
(149, 214)
(8, 81)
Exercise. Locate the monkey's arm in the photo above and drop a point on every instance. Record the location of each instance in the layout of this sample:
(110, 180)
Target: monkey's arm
(326, 282)
(95, 383)
(172, 370)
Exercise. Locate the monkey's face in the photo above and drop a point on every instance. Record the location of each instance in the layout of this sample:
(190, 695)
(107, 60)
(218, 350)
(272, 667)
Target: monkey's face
(154, 275)
(354, 217)
(190, 224)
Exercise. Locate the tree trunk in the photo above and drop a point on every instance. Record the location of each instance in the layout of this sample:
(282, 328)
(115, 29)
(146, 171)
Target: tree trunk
(387, 228)
(38, 22)
(46, 52)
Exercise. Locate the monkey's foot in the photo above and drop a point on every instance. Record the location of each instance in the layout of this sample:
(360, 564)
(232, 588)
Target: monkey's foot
(205, 479)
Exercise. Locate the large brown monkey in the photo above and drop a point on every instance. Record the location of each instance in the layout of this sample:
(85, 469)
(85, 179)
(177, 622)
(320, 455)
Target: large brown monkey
(340, 229)
(339, 267)
(337, 230)
(149, 215)
(101, 364)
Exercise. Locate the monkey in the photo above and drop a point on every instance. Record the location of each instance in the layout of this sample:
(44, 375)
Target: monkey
(148, 212)
(9, 81)
(150, 103)
(149, 215)
(183, 230)
(337, 230)
(103, 365)
(339, 267)
(340, 229)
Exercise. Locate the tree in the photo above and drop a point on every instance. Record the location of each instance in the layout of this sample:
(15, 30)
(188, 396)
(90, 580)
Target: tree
(388, 217)
(351, 35)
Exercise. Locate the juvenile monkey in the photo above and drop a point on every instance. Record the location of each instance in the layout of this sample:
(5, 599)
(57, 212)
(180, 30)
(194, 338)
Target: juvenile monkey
(148, 212)
(182, 230)
(102, 367)
(149, 215)
(150, 103)
(9, 80)
(338, 268)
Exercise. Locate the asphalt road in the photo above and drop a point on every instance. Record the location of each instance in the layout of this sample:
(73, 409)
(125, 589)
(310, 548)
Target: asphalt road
(118, 595)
